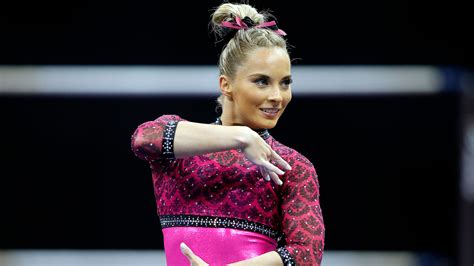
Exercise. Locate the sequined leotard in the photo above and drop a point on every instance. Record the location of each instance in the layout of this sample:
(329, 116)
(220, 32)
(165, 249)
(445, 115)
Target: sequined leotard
(222, 208)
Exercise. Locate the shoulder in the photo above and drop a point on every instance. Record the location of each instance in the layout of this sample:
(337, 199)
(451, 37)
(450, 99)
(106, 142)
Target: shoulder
(160, 122)
(168, 118)
(292, 156)
(302, 174)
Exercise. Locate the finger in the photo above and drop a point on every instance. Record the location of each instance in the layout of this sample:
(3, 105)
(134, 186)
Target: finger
(276, 179)
(264, 173)
(187, 252)
(272, 168)
(193, 259)
(268, 153)
(280, 160)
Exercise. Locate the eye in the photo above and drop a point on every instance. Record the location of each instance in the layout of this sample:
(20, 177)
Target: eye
(287, 82)
(261, 82)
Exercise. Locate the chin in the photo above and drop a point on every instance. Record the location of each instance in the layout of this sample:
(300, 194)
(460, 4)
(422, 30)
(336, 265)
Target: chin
(264, 123)
(268, 124)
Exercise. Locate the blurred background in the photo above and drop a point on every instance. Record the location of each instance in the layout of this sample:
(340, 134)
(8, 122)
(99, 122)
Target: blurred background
(382, 105)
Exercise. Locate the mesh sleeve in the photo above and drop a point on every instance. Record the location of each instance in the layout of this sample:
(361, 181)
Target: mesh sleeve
(154, 140)
(302, 224)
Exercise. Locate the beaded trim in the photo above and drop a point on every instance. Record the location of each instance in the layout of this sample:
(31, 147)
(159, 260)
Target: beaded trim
(285, 256)
(262, 132)
(217, 222)
(168, 140)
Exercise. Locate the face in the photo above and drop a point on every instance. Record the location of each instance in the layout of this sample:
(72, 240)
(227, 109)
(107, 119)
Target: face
(261, 89)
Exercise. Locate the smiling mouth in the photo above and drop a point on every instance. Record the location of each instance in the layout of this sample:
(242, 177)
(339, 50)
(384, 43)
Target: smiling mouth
(270, 111)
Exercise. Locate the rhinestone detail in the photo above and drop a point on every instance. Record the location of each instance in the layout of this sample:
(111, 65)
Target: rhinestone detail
(217, 222)
(168, 140)
(285, 256)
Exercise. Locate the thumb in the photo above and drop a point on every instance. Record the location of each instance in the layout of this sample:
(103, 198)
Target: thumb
(186, 251)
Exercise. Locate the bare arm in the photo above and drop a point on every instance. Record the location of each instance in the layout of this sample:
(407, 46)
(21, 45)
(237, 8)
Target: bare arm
(169, 136)
(195, 138)
(270, 258)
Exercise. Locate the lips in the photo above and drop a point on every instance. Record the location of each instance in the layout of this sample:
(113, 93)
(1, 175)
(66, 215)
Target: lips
(270, 113)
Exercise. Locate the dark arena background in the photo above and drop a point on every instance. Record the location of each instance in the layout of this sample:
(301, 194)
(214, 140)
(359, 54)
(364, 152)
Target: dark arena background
(382, 105)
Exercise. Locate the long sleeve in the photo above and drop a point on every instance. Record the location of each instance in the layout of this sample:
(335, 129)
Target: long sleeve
(302, 223)
(154, 140)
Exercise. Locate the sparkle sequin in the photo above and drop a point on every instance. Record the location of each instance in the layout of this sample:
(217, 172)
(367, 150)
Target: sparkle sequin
(168, 139)
(285, 256)
(221, 222)
(225, 184)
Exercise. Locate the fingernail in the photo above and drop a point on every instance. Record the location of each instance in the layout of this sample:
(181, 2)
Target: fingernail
(267, 178)
(183, 246)
(289, 167)
(280, 183)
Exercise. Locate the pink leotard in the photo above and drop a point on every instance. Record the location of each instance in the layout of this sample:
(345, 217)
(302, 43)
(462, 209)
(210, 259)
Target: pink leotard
(223, 209)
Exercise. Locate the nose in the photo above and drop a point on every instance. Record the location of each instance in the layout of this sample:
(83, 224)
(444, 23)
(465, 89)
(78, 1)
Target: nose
(275, 95)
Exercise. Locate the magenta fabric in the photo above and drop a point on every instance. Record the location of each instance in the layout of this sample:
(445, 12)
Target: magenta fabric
(226, 184)
(218, 246)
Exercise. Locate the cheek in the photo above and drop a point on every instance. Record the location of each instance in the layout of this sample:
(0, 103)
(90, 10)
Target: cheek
(287, 96)
(254, 98)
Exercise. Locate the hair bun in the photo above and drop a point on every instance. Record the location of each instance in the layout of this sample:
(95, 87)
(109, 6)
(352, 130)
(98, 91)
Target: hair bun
(228, 12)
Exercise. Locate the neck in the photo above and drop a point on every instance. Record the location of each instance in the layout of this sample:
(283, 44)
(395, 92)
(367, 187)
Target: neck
(228, 117)
(262, 132)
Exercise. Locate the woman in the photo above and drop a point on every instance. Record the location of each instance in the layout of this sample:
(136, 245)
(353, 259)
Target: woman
(211, 180)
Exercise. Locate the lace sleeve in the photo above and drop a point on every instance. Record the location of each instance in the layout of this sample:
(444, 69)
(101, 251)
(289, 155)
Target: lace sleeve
(302, 224)
(154, 140)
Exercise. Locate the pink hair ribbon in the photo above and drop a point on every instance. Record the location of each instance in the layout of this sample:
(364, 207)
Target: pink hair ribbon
(239, 25)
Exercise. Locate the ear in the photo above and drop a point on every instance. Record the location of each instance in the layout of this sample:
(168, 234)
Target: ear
(225, 86)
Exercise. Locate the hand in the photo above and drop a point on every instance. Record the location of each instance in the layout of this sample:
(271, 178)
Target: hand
(193, 259)
(260, 153)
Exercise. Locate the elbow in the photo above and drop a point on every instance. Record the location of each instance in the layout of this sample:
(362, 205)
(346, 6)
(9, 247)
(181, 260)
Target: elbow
(136, 144)
(146, 142)
(308, 253)
(318, 250)
(137, 139)
(312, 256)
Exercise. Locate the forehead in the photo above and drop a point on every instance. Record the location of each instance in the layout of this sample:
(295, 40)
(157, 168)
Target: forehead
(270, 61)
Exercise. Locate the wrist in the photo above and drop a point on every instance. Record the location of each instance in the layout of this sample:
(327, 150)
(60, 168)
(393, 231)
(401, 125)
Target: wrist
(242, 136)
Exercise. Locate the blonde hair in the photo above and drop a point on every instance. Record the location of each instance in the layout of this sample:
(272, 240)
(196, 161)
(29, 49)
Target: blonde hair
(243, 42)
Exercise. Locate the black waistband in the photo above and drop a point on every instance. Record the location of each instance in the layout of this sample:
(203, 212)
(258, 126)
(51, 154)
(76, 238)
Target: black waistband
(218, 222)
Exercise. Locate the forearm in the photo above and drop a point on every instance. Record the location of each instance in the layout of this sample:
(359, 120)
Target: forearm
(270, 258)
(196, 138)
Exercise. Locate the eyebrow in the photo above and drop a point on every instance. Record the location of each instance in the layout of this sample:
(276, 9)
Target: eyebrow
(266, 76)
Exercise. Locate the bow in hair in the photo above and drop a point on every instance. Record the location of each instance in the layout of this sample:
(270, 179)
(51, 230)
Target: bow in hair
(247, 23)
